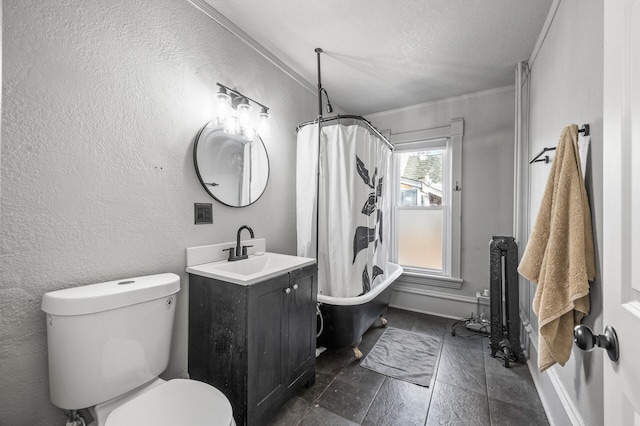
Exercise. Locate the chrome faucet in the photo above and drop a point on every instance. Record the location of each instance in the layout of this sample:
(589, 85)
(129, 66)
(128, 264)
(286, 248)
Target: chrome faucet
(235, 255)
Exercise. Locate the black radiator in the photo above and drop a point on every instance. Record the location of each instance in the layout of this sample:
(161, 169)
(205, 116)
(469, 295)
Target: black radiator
(505, 318)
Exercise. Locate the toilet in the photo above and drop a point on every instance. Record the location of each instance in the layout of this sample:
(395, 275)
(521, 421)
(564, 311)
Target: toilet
(108, 344)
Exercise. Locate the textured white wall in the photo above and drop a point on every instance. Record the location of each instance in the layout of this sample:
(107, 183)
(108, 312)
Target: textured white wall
(487, 170)
(101, 105)
(566, 88)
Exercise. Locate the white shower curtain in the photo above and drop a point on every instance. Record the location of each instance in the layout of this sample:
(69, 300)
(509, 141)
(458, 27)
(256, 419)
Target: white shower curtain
(353, 206)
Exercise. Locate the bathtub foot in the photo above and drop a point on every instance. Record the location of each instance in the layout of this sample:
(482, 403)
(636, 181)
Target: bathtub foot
(356, 352)
(384, 321)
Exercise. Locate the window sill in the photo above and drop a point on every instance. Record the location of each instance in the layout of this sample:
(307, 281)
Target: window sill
(431, 280)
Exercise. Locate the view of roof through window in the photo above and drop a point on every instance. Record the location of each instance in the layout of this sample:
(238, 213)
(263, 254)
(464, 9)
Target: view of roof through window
(421, 180)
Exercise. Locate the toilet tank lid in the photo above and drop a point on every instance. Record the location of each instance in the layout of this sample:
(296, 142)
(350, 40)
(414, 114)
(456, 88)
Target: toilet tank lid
(89, 299)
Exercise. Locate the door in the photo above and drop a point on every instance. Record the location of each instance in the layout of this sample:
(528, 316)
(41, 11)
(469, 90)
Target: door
(621, 217)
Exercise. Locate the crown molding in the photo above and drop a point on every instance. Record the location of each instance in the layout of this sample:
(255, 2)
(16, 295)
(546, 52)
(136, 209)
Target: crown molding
(497, 90)
(543, 33)
(218, 17)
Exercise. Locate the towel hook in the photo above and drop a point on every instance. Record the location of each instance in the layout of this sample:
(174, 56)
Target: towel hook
(585, 129)
(537, 158)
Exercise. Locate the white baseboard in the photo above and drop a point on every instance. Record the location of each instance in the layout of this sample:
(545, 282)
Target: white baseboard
(559, 407)
(433, 302)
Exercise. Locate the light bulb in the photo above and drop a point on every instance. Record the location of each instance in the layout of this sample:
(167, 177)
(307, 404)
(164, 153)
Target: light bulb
(244, 118)
(231, 124)
(264, 129)
(247, 133)
(244, 112)
(223, 105)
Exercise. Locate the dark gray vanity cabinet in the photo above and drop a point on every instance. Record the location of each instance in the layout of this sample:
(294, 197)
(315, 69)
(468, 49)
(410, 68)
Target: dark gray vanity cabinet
(255, 343)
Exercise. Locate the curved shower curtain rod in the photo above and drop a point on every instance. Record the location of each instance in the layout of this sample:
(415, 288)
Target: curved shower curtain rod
(347, 117)
(321, 119)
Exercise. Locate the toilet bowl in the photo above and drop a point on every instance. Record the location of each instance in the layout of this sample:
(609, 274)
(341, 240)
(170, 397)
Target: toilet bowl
(107, 345)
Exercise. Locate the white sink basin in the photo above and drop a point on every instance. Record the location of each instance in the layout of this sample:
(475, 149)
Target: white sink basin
(252, 270)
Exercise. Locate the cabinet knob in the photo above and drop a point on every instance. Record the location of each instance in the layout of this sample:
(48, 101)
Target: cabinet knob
(287, 290)
(295, 286)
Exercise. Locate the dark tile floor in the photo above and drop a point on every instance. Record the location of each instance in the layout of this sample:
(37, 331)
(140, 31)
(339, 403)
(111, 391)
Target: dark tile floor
(469, 386)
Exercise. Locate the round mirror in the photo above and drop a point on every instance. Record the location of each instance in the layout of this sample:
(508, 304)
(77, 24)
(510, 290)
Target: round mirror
(232, 170)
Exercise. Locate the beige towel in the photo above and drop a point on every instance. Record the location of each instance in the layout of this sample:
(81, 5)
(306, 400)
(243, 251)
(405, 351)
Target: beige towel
(559, 256)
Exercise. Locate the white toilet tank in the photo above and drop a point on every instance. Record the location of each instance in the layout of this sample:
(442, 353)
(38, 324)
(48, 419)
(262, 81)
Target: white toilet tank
(109, 338)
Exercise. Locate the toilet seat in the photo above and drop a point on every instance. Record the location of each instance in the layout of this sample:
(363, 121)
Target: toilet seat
(176, 402)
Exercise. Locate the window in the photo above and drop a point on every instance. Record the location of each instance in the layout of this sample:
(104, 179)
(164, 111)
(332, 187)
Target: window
(421, 211)
(427, 181)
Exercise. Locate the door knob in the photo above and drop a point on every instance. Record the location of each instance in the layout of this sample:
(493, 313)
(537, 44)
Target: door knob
(587, 341)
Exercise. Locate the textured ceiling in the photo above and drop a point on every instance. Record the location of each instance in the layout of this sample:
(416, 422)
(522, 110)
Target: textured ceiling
(381, 55)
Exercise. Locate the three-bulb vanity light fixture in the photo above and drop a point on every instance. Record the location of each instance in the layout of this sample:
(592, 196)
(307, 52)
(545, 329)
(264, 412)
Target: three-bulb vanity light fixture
(233, 113)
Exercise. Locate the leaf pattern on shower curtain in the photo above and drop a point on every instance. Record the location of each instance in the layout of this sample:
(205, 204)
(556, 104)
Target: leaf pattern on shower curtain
(361, 240)
(370, 205)
(364, 235)
(362, 170)
(373, 179)
(366, 283)
(376, 271)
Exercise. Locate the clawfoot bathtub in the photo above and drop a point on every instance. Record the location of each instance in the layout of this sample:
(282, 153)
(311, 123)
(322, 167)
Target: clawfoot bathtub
(346, 319)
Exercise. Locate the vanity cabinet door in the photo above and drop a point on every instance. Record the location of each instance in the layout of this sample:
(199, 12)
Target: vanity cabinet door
(301, 326)
(267, 372)
(218, 351)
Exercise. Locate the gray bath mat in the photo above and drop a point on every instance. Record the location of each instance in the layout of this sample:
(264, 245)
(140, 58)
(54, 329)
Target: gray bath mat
(404, 355)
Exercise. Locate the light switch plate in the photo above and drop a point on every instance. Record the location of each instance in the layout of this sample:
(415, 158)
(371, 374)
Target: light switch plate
(203, 213)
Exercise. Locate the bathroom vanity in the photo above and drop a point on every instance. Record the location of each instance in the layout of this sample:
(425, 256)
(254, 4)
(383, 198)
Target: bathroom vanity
(254, 341)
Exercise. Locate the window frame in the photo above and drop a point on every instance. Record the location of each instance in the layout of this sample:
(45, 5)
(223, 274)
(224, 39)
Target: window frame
(451, 138)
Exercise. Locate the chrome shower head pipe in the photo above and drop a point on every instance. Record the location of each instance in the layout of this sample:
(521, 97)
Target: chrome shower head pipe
(318, 52)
